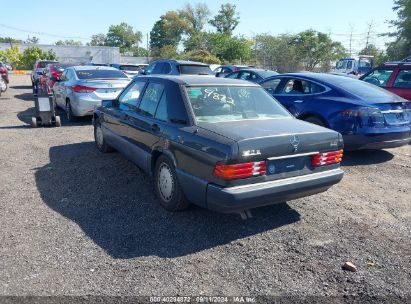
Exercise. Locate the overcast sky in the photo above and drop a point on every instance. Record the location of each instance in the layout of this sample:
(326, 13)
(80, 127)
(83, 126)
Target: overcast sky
(75, 19)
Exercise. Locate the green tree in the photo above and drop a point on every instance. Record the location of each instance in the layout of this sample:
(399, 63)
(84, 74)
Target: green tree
(276, 52)
(10, 40)
(168, 51)
(379, 55)
(230, 49)
(123, 36)
(167, 31)
(32, 40)
(401, 47)
(33, 53)
(12, 55)
(195, 17)
(98, 40)
(139, 51)
(316, 48)
(226, 20)
(69, 42)
(201, 56)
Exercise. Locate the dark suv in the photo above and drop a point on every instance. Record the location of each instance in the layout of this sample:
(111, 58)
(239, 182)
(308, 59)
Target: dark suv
(178, 67)
(392, 76)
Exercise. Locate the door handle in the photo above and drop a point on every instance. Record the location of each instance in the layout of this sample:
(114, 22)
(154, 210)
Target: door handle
(298, 101)
(155, 128)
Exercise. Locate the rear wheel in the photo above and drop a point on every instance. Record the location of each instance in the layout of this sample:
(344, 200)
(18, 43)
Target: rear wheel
(315, 120)
(69, 112)
(167, 186)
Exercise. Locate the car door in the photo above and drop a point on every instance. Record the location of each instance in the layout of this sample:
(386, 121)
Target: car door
(116, 117)
(145, 128)
(296, 93)
(401, 83)
(58, 89)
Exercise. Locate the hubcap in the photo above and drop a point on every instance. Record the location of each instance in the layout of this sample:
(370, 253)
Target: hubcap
(165, 182)
(99, 136)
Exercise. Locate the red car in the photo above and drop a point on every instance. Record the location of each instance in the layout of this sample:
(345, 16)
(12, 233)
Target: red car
(392, 76)
(4, 73)
(51, 74)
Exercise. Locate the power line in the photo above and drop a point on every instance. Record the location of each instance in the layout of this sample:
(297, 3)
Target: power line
(42, 33)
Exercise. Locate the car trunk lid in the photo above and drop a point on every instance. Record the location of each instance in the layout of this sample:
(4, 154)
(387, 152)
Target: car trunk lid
(105, 88)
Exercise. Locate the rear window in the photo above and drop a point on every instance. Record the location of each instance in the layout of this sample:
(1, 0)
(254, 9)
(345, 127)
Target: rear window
(43, 64)
(129, 68)
(361, 88)
(195, 69)
(266, 74)
(60, 67)
(233, 103)
(100, 74)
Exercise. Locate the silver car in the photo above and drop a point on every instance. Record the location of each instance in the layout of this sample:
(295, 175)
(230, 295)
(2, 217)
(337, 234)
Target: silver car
(81, 88)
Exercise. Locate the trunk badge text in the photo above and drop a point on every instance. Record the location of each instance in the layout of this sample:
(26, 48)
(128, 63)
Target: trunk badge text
(251, 153)
(295, 141)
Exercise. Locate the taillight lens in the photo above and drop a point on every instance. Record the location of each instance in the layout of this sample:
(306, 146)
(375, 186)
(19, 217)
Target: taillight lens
(82, 89)
(326, 158)
(240, 170)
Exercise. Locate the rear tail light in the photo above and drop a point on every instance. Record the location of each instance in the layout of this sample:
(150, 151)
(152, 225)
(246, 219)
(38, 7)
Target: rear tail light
(240, 170)
(82, 89)
(327, 158)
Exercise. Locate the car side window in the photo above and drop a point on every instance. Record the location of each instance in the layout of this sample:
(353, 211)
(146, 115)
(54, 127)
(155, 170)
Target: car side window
(150, 68)
(312, 88)
(298, 86)
(158, 69)
(130, 96)
(379, 77)
(233, 75)
(166, 68)
(63, 76)
(403, 79)
(349, 65)
(151, 98)
(271, 85)
(161, 112)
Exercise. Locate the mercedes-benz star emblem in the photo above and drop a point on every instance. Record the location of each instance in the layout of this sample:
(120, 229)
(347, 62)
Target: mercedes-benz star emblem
(295, 141)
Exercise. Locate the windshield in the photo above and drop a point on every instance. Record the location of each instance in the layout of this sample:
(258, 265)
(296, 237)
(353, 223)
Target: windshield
(341, 64)
(233, 103)
(195, 70)
(130, 68)
(100, 74)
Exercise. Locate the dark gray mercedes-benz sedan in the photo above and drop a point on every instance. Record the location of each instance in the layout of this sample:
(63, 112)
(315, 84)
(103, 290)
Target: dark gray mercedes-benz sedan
(218, 143)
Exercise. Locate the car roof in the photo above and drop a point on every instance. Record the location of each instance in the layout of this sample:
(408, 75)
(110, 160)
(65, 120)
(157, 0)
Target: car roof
(186, 62)
(92, 67)
(198, 80)
(322, 77)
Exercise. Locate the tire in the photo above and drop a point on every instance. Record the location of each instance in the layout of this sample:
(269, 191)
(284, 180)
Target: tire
(315, 120)
(6, 86)
(99, 139)
(167, 187)
(69, 113)
(58, 121)
(34, 122)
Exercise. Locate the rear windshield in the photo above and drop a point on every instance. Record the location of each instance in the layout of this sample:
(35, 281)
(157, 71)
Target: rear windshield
(233, 103)
(266, 74)
(60, 67)
(195, 70)
(100, 74)
(43, 64)
(130, 68)
(361, 88)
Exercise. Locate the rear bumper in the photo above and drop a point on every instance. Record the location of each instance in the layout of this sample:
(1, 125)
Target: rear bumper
(82, 106)
(268, 193)
(376, 141)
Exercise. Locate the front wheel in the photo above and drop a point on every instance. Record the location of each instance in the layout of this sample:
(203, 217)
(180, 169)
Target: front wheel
(167, 186)
(4, 86)
(99, 139)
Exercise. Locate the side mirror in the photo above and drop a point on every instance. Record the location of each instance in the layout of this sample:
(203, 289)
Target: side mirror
(108, 103)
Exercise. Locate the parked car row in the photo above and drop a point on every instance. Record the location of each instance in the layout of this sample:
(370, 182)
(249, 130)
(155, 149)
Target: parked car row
(230, 144)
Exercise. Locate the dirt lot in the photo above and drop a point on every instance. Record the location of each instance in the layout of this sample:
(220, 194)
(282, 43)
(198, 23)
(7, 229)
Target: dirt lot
(75, 221)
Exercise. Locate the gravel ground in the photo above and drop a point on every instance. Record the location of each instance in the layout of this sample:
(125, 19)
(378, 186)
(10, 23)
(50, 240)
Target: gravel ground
(75, 221)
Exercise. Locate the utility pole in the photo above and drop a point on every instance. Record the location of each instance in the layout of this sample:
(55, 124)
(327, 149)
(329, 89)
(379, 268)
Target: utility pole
(148, 50)
(370, 25)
